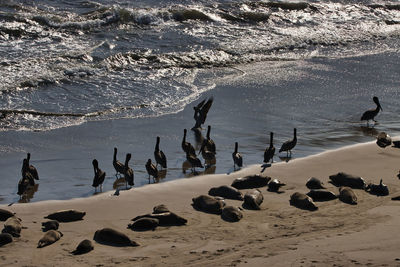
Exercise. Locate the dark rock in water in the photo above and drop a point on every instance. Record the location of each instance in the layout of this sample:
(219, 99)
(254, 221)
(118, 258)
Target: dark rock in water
(344, 179)
(144, 224)
(208, 204)
(314, 183)
(164, 219)
(5, 214)
(378, 189)
(302, 201)
(252, 181)
(5, 238)
(226, 191)
(108, 236)
(84, 246)
(383, 140)
(50, 225)
(66, 215)
(160, 209)
(231, 214)
(13, 226)
(347, 195)
(321, 195)
(253, 199)
(274, 185)
(49, 238)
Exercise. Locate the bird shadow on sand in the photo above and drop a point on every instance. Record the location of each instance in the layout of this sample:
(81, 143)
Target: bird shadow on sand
(265, 166)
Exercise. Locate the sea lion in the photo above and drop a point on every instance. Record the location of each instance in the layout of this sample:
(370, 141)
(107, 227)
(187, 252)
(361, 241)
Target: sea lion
(302, 201)
(321, 195)
(108, 236)
(13, 226)
(50, 225)
(231, 214)
(84, 246)
(380, 190)
(226, 191)
(314, 183)
(383, 140)
(164, 219)
(274, 185)
(5, 214)
(251, 181)
(208, 204)
(66, 215)
(49, 238)
(144, 224)
(160, 209)
(253, 199)
(5, 238)
(344, 179)
(347, 195)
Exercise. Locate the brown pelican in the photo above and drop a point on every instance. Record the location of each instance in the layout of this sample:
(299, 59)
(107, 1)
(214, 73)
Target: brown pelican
(201, 110)
(99, 176)
(289, 145)
(128, 172)
(370, 114)
(208, 156)
(186, 146)
(151, 170)
(26, 180)
(194, 161)
(118, 166)
(270, 151)
(159, 155)
(210, 145)
(237, 157)
(31, 168)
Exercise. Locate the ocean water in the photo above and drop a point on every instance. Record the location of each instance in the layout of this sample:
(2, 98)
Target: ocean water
(81, 77)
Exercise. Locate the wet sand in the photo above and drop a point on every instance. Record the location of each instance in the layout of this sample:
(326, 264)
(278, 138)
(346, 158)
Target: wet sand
(277, 235)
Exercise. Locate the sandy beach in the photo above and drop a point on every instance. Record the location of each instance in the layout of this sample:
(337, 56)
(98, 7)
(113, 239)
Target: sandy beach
(337, 234)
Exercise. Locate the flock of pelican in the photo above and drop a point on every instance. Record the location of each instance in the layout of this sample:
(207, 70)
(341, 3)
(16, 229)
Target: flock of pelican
(207, 150)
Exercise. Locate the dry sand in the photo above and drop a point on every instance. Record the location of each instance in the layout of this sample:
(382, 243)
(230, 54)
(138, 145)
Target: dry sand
(337, 234)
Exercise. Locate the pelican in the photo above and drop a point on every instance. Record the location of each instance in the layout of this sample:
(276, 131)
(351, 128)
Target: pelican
(289, 145)
(26, 180)
(209, 142)
(186, 146)
(371, 113)
(128, 172)
(208, 156)
(200, 112)
(151, 170)
(194, 161)
(118, 166)
(237, 157)
(31, 168)
(99, 176)
(159, 155)
(270, 151)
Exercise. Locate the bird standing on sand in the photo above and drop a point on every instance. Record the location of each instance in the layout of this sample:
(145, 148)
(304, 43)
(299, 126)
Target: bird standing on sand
(194, 161)
(370, 114)
(270, 151)
(289, 145)
(151, 170)
(237, 157)
(128, 172)
(200, 112)
(31, 169)
(159, 155)
(118, 166)
(99, 176)
(186, 146)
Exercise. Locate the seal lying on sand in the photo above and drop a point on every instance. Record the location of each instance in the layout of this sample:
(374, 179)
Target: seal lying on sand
(274, 185)
(66, 215)
(253, 199)
(226, 191)
(302, 201)
(49, 238)
(144, 224)
(5, 214)
(231, 214)
(380, 190)
(160, 209)
(344, 179)
(5, 238)
(347, 195)
(50, 225)
(314, 183)
(252, 181)
(84, 246)
(113, 237)
(13, 226)
(321, 195)
(164, 219)
(208, 204)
